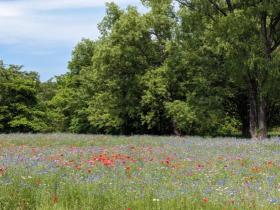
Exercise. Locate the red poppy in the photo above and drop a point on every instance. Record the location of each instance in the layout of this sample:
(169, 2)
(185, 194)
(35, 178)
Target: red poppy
(269, 164)
(107, 162)
(205, 200)
(78, 167)
(199, 166)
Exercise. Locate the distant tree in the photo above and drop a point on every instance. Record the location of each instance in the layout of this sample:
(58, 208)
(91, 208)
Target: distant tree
(18, 100)
(69, 104)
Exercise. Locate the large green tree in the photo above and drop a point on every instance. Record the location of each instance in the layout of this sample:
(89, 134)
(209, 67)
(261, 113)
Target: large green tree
(69, 104)
(247, 34)
(19, 110)
(122, 57)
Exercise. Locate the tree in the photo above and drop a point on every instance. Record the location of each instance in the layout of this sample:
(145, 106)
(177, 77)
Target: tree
(247, 34)
(69, 104)
(19, 111)
(122, 57)
(156, 82)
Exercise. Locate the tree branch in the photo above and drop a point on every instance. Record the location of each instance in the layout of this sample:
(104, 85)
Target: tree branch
(276, 45)
(275, 21)
(265, 36)
(230, 7)
(186, 3)
(217, 7)
(272, 30)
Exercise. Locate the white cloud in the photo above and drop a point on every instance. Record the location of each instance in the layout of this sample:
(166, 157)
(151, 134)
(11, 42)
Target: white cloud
(9, 11)
(23, 20)
(46, 29)
(33, 30)
(62, 4)
(20, 7)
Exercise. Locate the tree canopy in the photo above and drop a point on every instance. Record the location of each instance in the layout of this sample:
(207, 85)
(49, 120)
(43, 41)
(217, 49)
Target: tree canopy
(184, 67)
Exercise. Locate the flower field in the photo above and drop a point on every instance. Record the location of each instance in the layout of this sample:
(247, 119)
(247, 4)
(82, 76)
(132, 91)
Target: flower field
(63, 171)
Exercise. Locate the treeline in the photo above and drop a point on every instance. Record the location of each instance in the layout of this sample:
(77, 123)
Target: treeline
(195, 67)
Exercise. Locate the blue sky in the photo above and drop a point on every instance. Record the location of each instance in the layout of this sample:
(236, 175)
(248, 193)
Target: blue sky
(40, 34)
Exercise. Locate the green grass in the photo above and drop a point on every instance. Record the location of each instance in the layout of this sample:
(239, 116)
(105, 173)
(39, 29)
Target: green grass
(64, 171)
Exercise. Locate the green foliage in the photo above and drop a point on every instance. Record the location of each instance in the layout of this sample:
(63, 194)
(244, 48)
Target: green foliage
(103, 113)
(182, 115)
(184, 67)
(113, 13)
(18, 101)
(68, 106)
(156, 93)
(120, 61)
(81, 56)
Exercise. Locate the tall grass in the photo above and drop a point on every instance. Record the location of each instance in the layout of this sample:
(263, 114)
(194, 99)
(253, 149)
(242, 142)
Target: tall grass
(64, 171)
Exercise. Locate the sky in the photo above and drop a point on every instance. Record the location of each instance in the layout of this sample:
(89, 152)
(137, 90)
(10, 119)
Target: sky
(41, 34)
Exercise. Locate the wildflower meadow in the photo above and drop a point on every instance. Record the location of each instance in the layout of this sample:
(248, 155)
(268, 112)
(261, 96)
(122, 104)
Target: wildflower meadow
(65, 171)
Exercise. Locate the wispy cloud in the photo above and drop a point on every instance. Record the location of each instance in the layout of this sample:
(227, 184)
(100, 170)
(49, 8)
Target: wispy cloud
(29, 19)
(32, 31)
(44, 28)
(8, 11)
(12, 8)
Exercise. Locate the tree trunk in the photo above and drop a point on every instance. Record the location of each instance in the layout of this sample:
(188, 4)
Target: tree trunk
(262, 105)
(245, 127)
(253, 117)
(242, 101)
(262, 119)
(175, 130)
(257, 113)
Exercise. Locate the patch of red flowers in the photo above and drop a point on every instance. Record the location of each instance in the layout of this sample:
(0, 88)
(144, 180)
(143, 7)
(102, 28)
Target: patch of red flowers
(269, 164)
(78, 167)
(110, 160)
(167, 161)
(205, 200)
(199, 166)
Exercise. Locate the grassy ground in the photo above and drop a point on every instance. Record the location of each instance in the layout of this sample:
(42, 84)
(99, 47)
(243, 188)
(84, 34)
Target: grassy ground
(62, 171)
